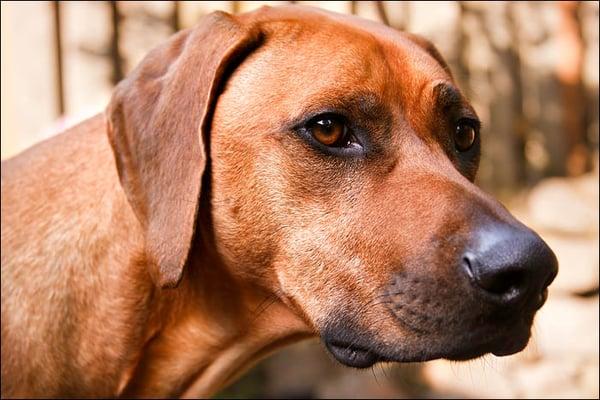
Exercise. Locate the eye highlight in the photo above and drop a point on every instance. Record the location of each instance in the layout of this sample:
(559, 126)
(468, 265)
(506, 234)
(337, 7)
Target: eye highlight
(329, 130)
(465, 135)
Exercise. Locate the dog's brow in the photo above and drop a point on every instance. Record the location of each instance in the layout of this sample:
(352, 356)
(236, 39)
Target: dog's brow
(366, 105)
(371, 105)
(447, 95)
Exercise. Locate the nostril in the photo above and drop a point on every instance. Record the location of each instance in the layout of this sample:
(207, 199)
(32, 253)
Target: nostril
(510, 266)
(468, 265)
(502, 282)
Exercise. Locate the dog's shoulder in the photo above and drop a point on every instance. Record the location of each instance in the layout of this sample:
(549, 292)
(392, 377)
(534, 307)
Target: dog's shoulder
(71, 250)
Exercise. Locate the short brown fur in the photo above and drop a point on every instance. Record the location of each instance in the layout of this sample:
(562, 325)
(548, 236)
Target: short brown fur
(164, 247)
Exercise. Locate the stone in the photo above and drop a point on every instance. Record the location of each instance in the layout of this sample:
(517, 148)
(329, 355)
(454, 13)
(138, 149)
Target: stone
(565, 205)
(561, 360)
(578, 263)
(567, 326)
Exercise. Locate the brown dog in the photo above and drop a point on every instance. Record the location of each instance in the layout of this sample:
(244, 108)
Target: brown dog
(306, 173)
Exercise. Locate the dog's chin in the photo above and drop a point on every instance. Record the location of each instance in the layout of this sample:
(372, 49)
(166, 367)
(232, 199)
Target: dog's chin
(508, 342)
(499, 348)
(504, 341)
(352, 355)
(513, 344)
(359, 357)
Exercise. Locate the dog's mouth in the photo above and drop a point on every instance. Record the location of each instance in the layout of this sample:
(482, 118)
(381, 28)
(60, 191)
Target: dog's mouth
(360, 357)
(352, 355)
(498, 340)
(513, 343)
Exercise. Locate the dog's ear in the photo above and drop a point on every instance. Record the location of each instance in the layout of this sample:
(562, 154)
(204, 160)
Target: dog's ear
(158, 123)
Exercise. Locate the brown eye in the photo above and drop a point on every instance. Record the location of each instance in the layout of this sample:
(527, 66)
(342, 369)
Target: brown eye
(328, 130)
(464, 136)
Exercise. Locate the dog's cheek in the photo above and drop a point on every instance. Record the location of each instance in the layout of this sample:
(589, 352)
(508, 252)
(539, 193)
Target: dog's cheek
(320, 266)
(242, 217)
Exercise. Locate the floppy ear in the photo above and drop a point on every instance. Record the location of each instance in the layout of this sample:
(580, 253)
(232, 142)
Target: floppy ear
(158, 122)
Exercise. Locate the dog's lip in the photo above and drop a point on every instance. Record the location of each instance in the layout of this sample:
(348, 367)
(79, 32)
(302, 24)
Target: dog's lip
(502, 343)
(352, 355)
(513, 342)
(541, 299)
(502, 339)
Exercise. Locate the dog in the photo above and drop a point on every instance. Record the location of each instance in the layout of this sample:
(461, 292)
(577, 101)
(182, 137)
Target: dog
(257, 180)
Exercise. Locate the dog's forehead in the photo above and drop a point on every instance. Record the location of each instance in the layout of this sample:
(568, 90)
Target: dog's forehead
(334, 52)
(322, 24)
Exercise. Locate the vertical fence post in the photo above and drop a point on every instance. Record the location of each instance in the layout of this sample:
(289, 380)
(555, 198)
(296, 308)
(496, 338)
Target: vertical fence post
(115, 53)
(175, 17)
(59, 58)
(382, 13)
(569, 74)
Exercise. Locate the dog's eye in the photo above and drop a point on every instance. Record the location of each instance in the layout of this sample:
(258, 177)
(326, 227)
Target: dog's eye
(465, 135)
(329, 130)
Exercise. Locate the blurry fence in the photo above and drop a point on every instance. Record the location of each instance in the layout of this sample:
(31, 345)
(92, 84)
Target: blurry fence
(531, 69)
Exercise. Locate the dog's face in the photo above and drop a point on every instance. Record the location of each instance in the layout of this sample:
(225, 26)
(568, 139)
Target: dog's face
(342, 162)
(340, 168)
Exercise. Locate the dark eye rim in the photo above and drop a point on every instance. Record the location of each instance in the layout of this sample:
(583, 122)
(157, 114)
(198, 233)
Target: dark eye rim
(356, 149)
(473, 123)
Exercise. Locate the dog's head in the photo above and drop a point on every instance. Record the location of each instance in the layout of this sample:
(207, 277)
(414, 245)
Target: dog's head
(337, 159)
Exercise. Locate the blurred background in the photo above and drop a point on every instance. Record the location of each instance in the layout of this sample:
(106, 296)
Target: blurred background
(531, 71)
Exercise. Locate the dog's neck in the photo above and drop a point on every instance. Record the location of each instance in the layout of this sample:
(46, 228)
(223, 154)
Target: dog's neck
(269, 326)
(207, 332)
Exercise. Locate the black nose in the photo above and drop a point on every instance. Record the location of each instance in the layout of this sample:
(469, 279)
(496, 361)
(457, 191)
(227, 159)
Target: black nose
(510, 265)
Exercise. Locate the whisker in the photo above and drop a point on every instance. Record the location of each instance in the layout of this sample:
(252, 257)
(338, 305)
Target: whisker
(374, 375)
